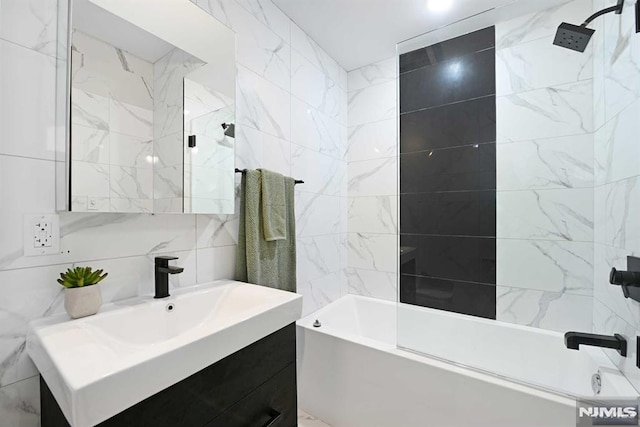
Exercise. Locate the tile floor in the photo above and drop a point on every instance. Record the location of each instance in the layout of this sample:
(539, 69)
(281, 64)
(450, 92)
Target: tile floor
(306, 420)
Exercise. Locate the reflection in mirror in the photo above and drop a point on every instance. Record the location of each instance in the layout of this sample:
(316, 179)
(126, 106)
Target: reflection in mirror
(152, 111)
(209, 160)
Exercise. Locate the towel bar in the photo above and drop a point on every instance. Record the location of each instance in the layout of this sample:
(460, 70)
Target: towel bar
(244, 170)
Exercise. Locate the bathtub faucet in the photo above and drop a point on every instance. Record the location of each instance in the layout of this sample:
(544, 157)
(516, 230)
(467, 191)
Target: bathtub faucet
(573, 340)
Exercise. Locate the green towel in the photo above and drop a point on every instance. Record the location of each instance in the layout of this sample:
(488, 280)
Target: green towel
(274, 214)
(259, 261)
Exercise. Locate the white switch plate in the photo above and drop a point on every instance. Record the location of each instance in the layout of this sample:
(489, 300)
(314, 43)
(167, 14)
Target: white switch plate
(41, 235)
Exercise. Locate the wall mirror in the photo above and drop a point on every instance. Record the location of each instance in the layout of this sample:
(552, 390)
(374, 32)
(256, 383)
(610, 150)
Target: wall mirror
(152, 108)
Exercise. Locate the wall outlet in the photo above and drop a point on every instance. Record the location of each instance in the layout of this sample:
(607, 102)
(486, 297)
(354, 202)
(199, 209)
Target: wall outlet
(41, 235)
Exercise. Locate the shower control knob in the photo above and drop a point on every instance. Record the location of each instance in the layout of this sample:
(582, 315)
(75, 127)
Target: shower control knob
(624, 278)
(629, 281)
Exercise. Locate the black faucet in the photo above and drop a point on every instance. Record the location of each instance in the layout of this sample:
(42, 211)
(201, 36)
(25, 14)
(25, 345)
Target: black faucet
(573, 340)
(163, 270)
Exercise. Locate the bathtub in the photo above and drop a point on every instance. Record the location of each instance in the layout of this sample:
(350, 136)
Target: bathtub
(351, 373)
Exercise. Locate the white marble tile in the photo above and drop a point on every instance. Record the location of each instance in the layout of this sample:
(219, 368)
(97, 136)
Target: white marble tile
(131, 151)
(535, 65)
(565, 214)
(320, 173)
(167, 182)
(372, 104)
(545, 113)
(377, 252)
(375, 284)
(307, 47)
(373, 141)
(168, 150)
(216, 263)
(27, 104)
(565, 162)
(212, 154)
(622, 61)
(373, 177)
(30, 23)
(131, 183)
(316, 214)
(319, 292)
(27, 295)
(540, 24)
(143, 234)
(270, 15)
(622, 210)
(312, 86)
(559, 267)
(90, 179)
(216, 230)
(257, 47)
(378, 214)
(217, 9)
(615, 148)
(606, 321)
(343, 100)
(90, 145)
(317, 256)
(255, 149)
(599, 113)
(262, 105)
(223, 206)
(130, 120)
(103, 69)
(315, 130)
(168, 91)
(89, 110)
(170, 204)
(306, 420)
(373, 74)
(600, 194)
(212, 184)
(546, 310)
(343, 79)
(20, 403)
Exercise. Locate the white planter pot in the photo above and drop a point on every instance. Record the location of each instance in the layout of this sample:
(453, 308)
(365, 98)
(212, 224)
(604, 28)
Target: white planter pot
(82, 302)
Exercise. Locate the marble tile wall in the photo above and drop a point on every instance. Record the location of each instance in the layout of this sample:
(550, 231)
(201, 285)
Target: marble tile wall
(617, 190)
(112, 128)
(168, 130)
(290, 119)
(545, 222)
(373, 181)
(545, 175)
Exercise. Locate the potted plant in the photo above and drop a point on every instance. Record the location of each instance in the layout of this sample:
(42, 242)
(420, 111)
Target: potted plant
(81, 295)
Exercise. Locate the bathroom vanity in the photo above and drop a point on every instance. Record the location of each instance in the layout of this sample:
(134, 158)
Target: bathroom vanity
(220, 354)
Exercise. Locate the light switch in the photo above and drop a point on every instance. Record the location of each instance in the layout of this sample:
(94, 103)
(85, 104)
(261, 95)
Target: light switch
(41, 235)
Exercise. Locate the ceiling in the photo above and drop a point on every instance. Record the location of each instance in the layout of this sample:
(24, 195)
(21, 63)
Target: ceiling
(359, 32)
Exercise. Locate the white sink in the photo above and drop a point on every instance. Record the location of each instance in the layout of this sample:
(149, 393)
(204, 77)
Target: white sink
(100, 365)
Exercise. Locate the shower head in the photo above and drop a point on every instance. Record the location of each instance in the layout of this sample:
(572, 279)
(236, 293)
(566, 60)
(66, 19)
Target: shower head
(229, 130)
(576, 37)
(573, 37)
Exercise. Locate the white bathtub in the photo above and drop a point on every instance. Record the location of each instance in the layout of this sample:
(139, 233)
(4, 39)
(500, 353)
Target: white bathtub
(351, 374)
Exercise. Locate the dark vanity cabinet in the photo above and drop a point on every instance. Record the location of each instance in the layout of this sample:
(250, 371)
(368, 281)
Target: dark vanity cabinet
(254, 387)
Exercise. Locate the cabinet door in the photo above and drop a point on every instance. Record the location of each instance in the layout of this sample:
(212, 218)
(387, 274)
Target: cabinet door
(273, 404)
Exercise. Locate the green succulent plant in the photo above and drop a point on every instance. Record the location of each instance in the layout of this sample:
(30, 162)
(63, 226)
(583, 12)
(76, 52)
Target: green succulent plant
(81, 276)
